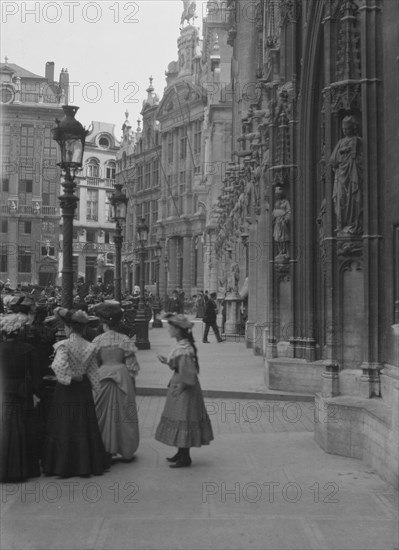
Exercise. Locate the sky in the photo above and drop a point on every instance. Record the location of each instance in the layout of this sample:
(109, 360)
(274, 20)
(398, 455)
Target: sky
(110, 49)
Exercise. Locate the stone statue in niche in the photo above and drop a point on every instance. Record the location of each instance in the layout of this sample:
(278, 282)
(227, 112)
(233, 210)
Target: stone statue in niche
(233, 278)
(281, 218)
(347, 163)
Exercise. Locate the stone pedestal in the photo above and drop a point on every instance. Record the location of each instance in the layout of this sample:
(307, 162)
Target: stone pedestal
(330, 385)
(249, 334)
(258, 339)
(233, 317)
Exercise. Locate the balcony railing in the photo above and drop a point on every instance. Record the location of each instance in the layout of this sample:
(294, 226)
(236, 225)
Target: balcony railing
(99, 248)
(93, 182)
(29, 210)
(50, 211)
(98, 182)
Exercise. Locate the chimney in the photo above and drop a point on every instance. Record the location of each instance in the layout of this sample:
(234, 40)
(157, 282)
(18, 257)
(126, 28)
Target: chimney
(49, 71)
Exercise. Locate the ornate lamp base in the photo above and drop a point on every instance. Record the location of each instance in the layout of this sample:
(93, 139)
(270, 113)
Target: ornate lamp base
(141, 322)
(156, 308)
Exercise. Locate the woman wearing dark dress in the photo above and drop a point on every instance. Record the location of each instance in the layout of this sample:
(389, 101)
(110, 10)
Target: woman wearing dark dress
(185, 422)
(73, 445)
(21, 386)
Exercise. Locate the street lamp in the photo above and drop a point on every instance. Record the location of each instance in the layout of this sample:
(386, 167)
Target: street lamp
(70, 136)
(118, 203)
(141, 321)
(157, 323)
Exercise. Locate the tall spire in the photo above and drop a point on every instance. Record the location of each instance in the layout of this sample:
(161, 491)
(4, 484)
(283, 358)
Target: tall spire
(152, 98)
(126, 124)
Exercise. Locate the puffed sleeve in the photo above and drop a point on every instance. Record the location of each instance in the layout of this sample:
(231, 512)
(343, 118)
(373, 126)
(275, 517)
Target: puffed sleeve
(60, 365)
(92, 372)
(131, 362)
(187, 370)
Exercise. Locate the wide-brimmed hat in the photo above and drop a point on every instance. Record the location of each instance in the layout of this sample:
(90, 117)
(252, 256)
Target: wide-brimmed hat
(178, 320)
(110, 310)
(12, 323)
(72, 316)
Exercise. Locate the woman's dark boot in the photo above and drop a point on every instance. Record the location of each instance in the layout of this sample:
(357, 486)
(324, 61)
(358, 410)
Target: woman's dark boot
(176, 457)
(184, 461)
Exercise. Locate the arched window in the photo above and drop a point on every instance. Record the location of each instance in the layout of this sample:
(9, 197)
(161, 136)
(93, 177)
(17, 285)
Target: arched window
(93, 168)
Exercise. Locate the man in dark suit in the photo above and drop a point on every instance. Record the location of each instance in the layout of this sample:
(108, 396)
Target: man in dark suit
(209, 319)
(174, 305)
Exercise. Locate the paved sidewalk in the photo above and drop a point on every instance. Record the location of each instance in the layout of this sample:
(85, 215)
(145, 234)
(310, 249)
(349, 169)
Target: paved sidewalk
(263, 483)
(226, 369)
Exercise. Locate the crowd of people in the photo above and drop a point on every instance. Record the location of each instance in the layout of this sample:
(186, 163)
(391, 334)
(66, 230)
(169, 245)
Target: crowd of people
(68, 382)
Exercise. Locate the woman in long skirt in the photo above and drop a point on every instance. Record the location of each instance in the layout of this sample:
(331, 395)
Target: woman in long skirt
(73, 444)
(21, 389)
(116, 402)
(185, 422)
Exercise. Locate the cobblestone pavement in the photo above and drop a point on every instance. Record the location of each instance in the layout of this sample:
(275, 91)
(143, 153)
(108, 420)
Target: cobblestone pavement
(263, 483)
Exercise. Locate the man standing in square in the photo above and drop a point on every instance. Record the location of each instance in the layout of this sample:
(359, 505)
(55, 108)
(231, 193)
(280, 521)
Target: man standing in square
(209, 319)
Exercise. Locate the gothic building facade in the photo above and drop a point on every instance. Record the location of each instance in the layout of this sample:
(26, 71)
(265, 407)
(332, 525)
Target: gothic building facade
(312, 192)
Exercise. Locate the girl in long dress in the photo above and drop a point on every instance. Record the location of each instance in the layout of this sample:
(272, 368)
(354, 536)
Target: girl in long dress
(21, 389)
(185, 422)
(116, 402)
(73, 444)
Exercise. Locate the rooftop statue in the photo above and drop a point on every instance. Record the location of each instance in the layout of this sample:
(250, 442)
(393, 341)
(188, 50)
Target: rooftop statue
(188, 12)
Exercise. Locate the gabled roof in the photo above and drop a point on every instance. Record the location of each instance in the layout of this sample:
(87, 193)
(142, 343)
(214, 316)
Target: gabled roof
(20, 71)
(178, 95)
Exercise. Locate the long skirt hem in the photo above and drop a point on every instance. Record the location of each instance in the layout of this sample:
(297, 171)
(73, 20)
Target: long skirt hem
(178, 433)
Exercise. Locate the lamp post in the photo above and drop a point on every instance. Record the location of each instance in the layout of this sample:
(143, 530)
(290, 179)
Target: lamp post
(157, 323)
(141, 321)
(70, 136)
(118, 203)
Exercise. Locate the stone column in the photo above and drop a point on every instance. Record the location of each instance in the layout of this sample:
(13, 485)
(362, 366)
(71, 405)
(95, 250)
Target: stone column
(232, 326)
(173, 273)
(12, 251)
(249, 251)
(187, 265)
(372, 99)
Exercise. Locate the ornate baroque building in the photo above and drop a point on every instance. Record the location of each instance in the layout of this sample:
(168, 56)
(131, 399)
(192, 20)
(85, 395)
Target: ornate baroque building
(181, 219)
(139, 169)
(313, 192)
(29, 238)
(172, 167)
